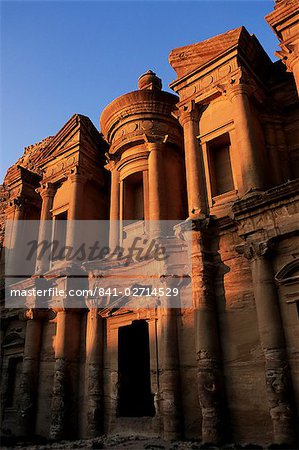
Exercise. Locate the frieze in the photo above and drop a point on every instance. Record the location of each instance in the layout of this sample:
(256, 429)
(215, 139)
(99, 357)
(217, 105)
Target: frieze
(220, 81)
(203, 84)
(58, 167)
(254, 250)
(132, 129)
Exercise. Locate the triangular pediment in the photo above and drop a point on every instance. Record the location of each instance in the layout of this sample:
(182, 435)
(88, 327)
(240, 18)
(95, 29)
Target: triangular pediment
(78, 131)
(66, 138)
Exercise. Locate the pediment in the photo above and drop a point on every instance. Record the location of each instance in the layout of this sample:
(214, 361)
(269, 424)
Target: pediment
(190, 57)
(64, 140)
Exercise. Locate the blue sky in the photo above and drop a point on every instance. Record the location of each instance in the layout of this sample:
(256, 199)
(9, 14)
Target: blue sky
(62, 57)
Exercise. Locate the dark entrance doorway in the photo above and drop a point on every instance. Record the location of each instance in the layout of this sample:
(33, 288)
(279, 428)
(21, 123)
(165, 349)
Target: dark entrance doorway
(135, 397)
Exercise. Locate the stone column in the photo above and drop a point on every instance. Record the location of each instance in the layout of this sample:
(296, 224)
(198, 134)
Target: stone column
(282, 149)
(59, 407)
(47, 192)
(295, 70)
(94, 391)
(196, 187)
(246, 139)
(289, 55)
(209, 376)
(277, 373)
(28, 392)
(64, 398)
(273, 151)
(76, 201)
(15, 214)
(156, 175)
(169, 379)
(114, 209)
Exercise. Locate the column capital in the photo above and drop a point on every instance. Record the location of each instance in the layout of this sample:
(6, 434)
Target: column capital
(289, 55)
(238, 84)
(174, 280)
(154, 146)
(111, 166)
(189, 112)
(111, 162)
(39, 314)
(17, 202)
(46, 190)
(255, 250)
(77, 175)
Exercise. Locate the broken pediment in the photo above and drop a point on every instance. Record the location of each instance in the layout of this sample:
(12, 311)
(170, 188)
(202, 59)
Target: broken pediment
(185, 60)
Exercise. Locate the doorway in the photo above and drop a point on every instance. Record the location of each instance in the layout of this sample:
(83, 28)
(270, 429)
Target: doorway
(134, 385)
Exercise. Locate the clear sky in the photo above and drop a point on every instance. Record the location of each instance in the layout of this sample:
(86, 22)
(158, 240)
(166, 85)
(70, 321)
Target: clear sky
(63, 57)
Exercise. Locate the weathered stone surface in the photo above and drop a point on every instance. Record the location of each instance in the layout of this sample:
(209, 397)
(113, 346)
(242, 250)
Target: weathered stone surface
(221, 155)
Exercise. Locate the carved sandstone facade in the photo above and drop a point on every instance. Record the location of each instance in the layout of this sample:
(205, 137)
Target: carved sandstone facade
(222, 155)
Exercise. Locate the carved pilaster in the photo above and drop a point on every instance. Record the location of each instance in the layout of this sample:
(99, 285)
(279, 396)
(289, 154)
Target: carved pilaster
(64, 397)
(94, 391)
(289, 55)
(29, 376)
(59, 401)
(16, 208)
(209, 375)
(277, 373)
(169, 379)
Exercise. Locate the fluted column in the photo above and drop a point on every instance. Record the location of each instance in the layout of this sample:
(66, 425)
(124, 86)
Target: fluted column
(246, 139)
(277, 373)
(169, 380)
(28, 392)
(157, 201)
(47, 192)
(94, 355)
(114, 209)
(196, 188)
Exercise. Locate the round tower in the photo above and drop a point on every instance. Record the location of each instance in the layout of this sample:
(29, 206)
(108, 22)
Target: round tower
(145, 156)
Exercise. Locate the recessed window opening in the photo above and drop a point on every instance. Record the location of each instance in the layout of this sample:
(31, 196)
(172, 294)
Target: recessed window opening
(221, 175)
(134, 390)
(14, 378)
(133, 197)
(60, 228)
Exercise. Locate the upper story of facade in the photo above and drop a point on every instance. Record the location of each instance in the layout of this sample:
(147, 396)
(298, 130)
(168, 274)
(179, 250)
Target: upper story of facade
(231, 130)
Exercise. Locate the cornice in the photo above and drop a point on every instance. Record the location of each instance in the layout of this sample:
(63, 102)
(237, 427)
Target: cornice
(144, 102)
(283, 12)
(286, 192)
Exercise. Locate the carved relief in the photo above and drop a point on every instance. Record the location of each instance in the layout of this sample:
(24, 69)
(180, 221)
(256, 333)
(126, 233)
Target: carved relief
(209, 393)
(94, 410)
(58, 410)
(279, 393)
(26, 402)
